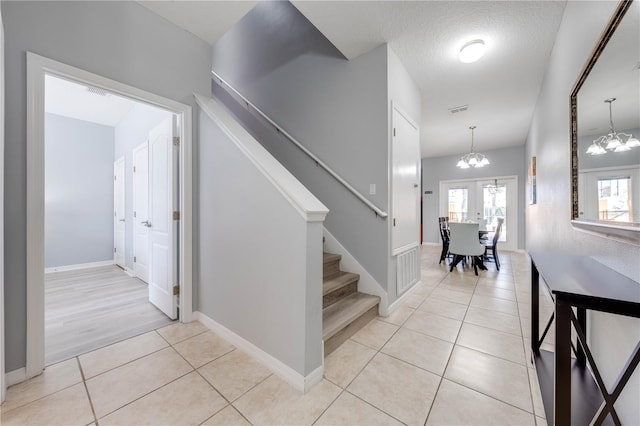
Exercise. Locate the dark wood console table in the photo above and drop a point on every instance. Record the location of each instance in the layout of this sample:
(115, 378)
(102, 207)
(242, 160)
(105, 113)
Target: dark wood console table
(578, 282)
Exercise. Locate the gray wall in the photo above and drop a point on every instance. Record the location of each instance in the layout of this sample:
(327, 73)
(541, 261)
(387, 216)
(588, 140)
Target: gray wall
(336, 108)
(504, 162)
(548, 221)
(274, 301)
(78, 191)
(130, 132)
(119, 40)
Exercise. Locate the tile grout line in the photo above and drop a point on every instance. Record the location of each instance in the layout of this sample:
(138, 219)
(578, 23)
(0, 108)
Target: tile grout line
(452, 348)
(482, 393)
(126, 363)
(86, 389)
(490, 396)
(533, 404)
(378, 351)
(161, 386)
(435, 395)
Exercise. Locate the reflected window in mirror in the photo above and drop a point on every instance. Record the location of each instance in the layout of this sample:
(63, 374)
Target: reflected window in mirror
(606, 125)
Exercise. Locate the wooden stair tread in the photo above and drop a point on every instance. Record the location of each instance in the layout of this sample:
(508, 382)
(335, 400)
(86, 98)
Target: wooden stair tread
(337, 281)
(330, 257)
(344, 312)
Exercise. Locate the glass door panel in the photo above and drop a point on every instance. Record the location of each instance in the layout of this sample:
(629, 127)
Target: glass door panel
(483, 201)
(494, 201)
(458, 204)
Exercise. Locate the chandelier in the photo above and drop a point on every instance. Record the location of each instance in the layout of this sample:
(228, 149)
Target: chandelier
(472, 159)
(616, 142)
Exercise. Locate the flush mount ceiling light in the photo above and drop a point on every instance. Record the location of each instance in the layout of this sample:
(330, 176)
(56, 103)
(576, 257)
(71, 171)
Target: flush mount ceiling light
(472, 159)
(616, 142)
(471, 51)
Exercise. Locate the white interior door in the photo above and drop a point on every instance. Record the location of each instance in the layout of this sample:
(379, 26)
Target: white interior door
(118, 212)
(141, 217)
(405, 152)
(483, 201)
(163, 228)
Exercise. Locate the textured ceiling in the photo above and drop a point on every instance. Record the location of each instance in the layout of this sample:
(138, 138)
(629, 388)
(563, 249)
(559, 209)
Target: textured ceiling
(501, 89)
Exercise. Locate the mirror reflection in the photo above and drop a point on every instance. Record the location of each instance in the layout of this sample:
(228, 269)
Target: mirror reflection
(608, 108)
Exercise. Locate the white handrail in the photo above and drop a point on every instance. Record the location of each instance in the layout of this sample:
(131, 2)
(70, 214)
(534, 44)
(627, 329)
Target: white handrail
(319, 162)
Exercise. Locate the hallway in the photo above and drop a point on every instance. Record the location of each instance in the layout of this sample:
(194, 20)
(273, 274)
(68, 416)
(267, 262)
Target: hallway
(456, 338)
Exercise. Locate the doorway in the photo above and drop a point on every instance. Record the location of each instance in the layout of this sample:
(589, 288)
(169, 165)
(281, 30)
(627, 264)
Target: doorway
(484, 201)
(92, 295)
(176, 225)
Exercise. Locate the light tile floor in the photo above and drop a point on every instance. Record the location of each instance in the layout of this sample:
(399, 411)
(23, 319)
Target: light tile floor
(454, 353)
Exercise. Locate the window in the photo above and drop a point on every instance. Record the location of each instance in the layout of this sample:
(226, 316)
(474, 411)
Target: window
(614, 198)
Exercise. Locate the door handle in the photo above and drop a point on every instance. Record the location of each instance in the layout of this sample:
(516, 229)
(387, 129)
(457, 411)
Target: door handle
(121, 220)
(146, 223)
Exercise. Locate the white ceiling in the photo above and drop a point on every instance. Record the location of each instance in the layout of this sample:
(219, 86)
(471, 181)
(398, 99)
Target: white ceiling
(207, 19)
(63, 97)
(501, 89)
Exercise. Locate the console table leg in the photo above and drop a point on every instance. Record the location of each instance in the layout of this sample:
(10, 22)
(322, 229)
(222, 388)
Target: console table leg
(582, 321)
(535, 309)
(562, 375)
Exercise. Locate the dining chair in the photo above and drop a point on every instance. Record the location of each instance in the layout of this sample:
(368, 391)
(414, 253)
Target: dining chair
(464, 242)
(443, 224)
(493, 244)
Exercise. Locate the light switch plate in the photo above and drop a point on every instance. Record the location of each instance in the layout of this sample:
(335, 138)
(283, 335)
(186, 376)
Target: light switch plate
(372, 189)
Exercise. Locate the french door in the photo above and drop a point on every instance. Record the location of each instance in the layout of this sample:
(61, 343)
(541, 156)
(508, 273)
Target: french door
(483, 201)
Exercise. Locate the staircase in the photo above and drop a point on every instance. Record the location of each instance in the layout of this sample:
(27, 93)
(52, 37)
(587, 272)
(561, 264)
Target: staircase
(344, 309)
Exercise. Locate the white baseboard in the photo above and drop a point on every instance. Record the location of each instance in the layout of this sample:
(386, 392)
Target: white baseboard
(400, 300)
(297, 380)
(366, 283)
(129, 271)
(424, 243)
(15, 376)
(78, 266)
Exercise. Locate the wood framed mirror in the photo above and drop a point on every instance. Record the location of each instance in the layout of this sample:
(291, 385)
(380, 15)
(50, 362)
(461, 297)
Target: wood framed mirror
(605, 127)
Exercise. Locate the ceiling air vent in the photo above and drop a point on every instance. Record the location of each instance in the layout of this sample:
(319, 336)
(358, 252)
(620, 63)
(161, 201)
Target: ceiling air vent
(461, 108)
(97, 91)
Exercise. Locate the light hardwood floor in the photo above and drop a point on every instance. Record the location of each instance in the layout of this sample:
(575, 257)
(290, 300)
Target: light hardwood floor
(91, 308)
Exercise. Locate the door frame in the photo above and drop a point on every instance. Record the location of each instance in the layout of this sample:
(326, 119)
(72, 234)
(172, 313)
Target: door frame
(37, 67)
(2, 112)
(397, 250)
(513, 218)
(124, 206)
(134, 191)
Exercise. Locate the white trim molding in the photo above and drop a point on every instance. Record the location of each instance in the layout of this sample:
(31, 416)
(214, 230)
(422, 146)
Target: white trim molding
(37, 67)
(295, 379)
(78, 266)
(15, 376)
(3, 383)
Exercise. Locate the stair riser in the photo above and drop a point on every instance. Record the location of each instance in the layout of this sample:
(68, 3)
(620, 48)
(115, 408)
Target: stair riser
(331, 298)
(330, 268)
(343, 335)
